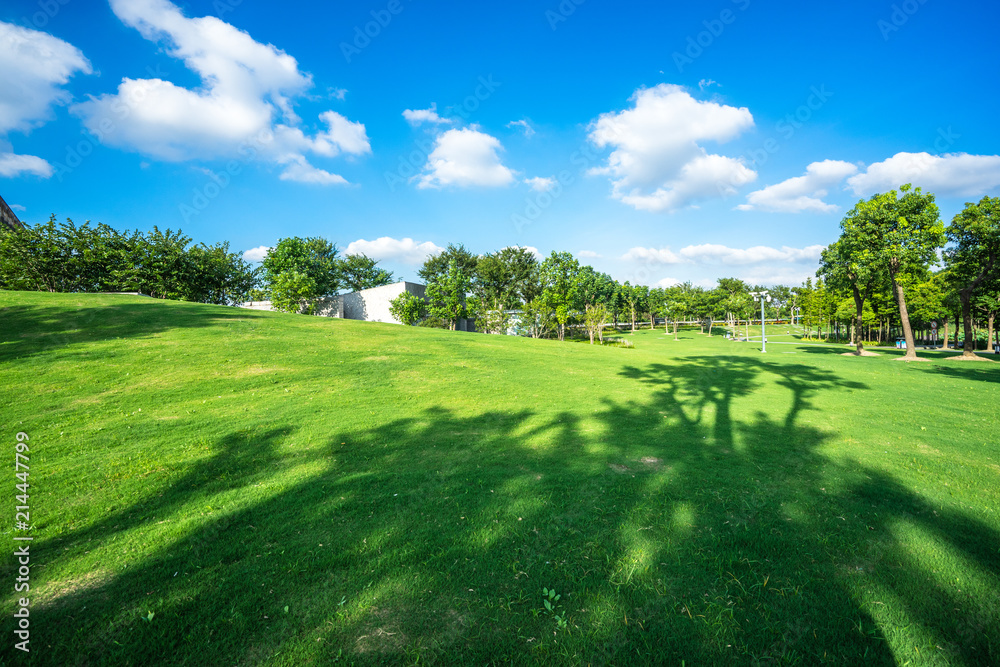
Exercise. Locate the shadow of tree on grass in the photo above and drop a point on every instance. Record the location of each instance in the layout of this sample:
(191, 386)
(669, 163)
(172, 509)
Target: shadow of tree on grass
(686, 527)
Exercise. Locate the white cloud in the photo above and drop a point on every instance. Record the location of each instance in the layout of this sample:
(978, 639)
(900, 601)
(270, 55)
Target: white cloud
(705, 83)
(33, 68)
(588, 254)
(667, 282)
(657, 163)
(465, 157)
(417, 116)
(18, 207)
(242, 109)
(957, 174)
(302, 172)
(524, 125)
(802, 193)
(405, 251)
(13, 165)
(530, 248)
(541, 183)
(709, 253)
(654, 255)
(256, 254)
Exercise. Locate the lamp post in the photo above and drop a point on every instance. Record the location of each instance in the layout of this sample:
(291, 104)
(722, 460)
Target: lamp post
(764, 297)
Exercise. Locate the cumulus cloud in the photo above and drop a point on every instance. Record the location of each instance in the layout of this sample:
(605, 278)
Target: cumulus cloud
(524, 125)
(802, 193)
(465, 157)
(654, 255)
(417, 116)
(541, 183)
(256, 254)
(12, 164)
(710, 253)
(587, 254)
(244, 106)
(404, 251)
(657, 163)
(33, 68)
(667, 282)
(957, 174)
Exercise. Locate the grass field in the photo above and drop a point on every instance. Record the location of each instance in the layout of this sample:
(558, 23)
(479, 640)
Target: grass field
(211, 486)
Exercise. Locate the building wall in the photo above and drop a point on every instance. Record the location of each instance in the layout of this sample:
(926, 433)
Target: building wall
(371, 305)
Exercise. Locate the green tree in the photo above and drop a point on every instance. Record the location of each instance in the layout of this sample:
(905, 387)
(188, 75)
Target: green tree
(506, 279)
(900, 232)
(843, 270)
(358, 272)
(293, 291)
(408, 308)
(438, 265)
(973, 259)
(560, 288)
(447, 294)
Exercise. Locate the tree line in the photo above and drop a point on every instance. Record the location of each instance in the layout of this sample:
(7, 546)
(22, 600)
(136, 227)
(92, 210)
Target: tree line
(66, 257)
(896, 263)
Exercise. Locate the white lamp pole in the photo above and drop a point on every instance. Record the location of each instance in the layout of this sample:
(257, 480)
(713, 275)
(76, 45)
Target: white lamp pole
(765, 297)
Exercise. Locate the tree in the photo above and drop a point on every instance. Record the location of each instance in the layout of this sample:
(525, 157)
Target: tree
(843, 270)
(447, 294)
(358, 272)
(506, 279)
(594, 320)
(560, 287)
(313, 269)
(408, 308)
(899, 234)
(974, 258)
(293, 292)
(438, 265)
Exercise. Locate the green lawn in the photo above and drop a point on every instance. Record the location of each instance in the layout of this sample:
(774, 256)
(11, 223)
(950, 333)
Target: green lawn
(293, 490)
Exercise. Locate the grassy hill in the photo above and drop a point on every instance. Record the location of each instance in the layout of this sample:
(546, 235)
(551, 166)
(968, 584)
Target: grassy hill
(216, 486)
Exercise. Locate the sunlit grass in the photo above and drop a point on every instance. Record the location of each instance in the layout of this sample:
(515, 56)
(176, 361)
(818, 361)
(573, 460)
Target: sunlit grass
(407, 494)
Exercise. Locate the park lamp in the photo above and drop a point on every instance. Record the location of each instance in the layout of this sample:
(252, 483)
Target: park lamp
(763, 297)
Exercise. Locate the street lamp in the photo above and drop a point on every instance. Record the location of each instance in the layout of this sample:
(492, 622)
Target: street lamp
(763, 297)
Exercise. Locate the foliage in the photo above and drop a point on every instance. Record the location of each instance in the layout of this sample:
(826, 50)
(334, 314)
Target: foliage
(65, 257)
(560, 288)
(447, 294)
(293, 291)
(313, 257)
(973, 259)
(408, 308)
(358, 272)
(436, 266)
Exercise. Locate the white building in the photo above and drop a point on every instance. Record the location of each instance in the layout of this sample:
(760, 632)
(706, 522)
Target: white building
(371, 305)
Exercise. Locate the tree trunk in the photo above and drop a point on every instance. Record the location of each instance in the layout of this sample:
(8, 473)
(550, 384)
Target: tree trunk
(710, 323)
(675, 329)
(968, 349)
(859, 304)
(904, 318)
(944, 339)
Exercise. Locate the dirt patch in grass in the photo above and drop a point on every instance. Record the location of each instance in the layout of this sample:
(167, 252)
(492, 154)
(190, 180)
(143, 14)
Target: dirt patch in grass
(62, 593)
(864, 353)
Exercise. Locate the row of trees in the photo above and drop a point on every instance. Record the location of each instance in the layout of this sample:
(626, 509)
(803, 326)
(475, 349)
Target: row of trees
(511, 289)
(298, 272)
(66, 257)
(888, 250)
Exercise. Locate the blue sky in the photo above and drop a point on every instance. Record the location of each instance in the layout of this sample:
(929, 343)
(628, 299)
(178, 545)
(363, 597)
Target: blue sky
(658, 141)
